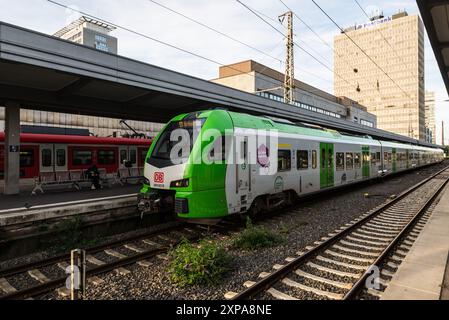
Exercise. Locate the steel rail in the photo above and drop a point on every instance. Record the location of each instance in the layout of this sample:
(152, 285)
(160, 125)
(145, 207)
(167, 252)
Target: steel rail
(95, 249)
(358, 285)
(56, 283)
(269, 281)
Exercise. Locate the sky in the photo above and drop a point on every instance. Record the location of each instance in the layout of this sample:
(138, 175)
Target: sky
(233, 19)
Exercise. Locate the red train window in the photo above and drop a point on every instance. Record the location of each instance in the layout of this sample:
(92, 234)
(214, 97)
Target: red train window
(82, 157)
(106, 157)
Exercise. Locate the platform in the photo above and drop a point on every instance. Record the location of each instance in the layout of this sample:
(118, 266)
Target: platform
(26, 200)
(424, 271)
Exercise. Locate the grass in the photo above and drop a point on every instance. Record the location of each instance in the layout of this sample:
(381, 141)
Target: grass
(254, 237)
(204, 263)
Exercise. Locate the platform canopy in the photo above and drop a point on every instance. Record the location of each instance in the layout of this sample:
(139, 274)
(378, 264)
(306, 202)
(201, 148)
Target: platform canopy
(435, 15)
(43, 72)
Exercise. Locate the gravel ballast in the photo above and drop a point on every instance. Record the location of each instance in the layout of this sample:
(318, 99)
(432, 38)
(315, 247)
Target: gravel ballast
(310, 222)
(314, 220)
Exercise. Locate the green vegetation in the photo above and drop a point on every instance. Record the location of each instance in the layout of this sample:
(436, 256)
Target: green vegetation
(254, 237)
(71, 235)
(202, 263)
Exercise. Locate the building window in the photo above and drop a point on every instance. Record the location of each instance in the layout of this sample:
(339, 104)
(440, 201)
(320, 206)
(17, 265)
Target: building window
(302, 159)
(340, 161)
(284, 160)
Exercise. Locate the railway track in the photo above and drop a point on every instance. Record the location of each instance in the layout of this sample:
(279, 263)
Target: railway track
(339, 266)
(41, 277)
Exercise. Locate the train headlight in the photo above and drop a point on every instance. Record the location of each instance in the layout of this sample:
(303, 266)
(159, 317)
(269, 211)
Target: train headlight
(146, 181)
(184, 183)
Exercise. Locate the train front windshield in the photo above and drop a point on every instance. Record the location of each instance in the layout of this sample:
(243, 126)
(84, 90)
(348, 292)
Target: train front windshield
(177, 140)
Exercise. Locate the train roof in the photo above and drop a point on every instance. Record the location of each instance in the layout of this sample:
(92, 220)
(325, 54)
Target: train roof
(259, 122)
(70, 139)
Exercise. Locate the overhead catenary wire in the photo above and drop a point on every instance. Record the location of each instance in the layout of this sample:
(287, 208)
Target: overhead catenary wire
(127, 29)
(154, 39)
(385, 39)
(323, 41)
(361, 49)
(281, 33)
(231, 37)
(214, 30)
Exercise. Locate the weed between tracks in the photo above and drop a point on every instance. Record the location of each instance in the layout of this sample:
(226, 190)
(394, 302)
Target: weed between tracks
(255, 237)
(202, 263)
(72, 235)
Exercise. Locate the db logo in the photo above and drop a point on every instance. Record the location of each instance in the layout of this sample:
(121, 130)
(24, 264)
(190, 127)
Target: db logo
(159, 177)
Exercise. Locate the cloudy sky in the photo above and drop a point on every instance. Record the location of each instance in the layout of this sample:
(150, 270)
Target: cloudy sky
(231, 18)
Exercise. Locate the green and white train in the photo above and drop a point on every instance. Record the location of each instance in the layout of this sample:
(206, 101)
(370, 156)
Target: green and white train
(303, 160)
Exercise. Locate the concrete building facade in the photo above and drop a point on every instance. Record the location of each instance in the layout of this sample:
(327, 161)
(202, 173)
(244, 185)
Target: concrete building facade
(91, 33)
(396, 45)
(430, 117)
(254, 77)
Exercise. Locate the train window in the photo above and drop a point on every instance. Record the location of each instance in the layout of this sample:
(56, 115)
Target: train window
(123, 156)
(373, 158)
(357, 163)
(302, 159)
(385, 156)
(389, 156)
(106, 157)
(349, 161)
(284, 160)
(46, 158)
(340, 161)
(133, 156)
(26, 158)
(82, 157)
(314, 159)
(60, 157)
(378, 157)
(143, 155)
(323, 158)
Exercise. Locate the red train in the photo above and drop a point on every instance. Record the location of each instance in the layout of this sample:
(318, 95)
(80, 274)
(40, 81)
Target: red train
(52, 153)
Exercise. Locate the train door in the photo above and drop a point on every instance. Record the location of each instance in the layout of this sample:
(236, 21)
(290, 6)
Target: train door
(123, 156)
(132, 153)
(394, 159)
(2, 162)
(407, 158)
(326, 165)
(365, 162)
(53, 158)
(243, 176)
(60, 157)
(46, 158)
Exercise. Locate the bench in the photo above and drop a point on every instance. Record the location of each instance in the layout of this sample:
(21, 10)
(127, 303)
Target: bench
(72, 178)
(126, 174)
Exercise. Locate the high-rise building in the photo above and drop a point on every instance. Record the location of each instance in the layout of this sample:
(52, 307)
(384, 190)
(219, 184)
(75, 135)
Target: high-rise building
(256, 78)
(91, 33)
(390, 82)
(430, 116)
